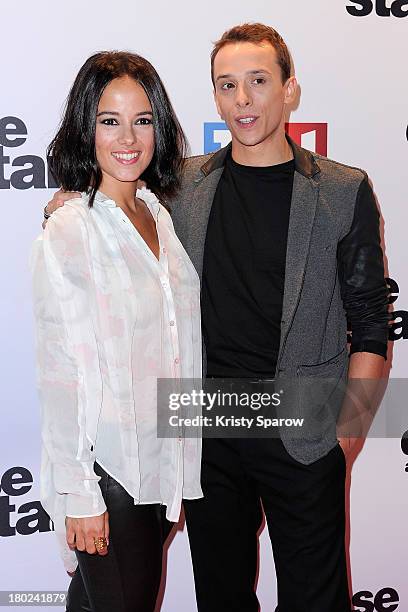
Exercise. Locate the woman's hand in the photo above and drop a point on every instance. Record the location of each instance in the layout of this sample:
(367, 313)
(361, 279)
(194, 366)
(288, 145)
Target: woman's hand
(83, 533)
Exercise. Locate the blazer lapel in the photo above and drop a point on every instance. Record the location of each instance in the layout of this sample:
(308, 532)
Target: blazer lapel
(302, 214)
(203, 197)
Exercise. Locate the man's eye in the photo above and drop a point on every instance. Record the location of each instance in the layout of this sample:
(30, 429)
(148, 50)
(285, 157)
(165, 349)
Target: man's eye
(259, 81)
(144, 121)
(227, 86)
(110, 121)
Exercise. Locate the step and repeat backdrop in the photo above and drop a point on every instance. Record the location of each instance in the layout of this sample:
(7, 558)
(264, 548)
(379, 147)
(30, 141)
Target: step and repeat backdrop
(350, 61)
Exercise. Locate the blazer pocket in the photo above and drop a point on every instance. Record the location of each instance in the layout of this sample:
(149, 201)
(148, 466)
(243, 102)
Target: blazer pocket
(332, 367)
(320, 391)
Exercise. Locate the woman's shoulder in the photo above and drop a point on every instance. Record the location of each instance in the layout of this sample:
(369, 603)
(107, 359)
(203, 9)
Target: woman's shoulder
(69, 222)
(77, 207)
(73, 212)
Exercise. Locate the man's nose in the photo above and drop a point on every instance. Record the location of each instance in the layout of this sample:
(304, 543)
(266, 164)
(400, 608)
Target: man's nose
(243, 97)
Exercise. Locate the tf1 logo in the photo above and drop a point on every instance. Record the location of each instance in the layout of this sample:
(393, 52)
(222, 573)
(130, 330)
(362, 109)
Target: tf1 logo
(381, 8)
(311, 136)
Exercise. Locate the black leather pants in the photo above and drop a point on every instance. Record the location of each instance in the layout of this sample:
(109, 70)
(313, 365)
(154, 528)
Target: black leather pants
(127, 579)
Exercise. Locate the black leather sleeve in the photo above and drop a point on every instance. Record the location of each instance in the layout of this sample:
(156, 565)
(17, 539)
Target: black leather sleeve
(361, 274)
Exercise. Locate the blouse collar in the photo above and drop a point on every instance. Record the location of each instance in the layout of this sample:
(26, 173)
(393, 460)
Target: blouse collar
(144, 194)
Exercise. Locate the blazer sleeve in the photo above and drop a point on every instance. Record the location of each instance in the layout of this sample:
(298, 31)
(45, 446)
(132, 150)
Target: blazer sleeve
(361, 274)
(66, 350)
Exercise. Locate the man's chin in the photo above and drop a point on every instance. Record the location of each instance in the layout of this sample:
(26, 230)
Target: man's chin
(247, 140)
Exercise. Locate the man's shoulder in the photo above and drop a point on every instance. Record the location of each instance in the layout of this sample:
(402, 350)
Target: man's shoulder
(193, 164)
(338, 172)
(190, 177)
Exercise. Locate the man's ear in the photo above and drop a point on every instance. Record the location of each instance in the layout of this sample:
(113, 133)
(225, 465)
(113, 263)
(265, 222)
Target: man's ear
(291, 87)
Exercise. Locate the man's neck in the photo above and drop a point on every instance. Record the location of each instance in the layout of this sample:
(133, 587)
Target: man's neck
(275, 150)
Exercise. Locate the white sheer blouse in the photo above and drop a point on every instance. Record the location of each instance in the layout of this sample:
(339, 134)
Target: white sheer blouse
(110, 319)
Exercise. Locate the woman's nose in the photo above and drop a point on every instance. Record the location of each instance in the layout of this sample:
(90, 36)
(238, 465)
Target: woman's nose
(127, 135)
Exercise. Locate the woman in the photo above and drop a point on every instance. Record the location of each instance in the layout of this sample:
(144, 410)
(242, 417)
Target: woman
(116, 307)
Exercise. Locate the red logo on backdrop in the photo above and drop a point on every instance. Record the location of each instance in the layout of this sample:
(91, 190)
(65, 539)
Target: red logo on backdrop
(298, 132)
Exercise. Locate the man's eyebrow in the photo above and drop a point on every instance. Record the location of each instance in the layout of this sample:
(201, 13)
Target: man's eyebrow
(115, 113)
(258, 71)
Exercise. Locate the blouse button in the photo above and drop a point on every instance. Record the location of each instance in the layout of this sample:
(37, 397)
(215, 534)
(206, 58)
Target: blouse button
(171, 323)
(177, 360)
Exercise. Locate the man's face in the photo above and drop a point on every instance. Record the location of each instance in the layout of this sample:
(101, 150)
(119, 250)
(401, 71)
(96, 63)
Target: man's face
(249, 92)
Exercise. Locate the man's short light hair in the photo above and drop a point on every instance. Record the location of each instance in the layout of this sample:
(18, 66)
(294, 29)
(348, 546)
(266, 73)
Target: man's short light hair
(256, 33)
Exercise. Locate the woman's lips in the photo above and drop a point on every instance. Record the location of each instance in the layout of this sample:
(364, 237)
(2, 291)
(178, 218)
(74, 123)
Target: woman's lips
(126, 159)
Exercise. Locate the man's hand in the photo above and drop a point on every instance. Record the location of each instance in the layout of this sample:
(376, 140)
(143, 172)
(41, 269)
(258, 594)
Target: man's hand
(59, 198)
(82, 533)
(347, 446)
(363, 396)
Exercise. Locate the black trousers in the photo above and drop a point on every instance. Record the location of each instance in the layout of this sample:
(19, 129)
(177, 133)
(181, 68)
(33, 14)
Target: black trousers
(127, 579)
(304, 506)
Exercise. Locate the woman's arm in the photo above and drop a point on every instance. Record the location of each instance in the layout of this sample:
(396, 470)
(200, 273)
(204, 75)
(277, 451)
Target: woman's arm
(68, 366)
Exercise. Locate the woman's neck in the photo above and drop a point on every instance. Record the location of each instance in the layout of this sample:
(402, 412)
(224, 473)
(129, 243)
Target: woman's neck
(123, 193)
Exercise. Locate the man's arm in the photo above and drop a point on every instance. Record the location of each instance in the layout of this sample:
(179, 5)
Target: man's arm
(366, 366)
(365, 298)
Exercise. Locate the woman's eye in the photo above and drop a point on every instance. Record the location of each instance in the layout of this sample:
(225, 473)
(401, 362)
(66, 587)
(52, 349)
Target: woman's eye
(144, 121)
(110, 121)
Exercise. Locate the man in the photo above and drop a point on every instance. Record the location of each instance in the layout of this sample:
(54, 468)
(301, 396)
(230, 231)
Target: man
(287, 246)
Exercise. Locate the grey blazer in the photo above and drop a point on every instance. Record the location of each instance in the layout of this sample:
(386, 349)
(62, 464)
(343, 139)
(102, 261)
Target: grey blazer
(314, 322)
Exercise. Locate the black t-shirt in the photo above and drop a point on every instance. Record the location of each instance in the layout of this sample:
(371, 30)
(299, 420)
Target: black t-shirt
(244, 269)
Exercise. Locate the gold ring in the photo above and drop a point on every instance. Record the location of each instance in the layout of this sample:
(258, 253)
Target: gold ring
(100, 543)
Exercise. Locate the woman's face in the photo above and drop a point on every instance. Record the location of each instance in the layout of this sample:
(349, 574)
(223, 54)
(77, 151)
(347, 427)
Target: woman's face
(124, 139)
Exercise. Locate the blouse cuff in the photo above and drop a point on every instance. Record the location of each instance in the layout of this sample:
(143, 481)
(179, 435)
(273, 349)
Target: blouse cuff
(82, 506)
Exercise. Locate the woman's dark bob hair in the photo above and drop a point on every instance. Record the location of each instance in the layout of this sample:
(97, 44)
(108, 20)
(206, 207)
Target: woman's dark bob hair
(74, 162)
